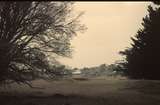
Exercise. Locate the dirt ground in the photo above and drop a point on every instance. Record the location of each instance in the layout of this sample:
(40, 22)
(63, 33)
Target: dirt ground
(88, 92)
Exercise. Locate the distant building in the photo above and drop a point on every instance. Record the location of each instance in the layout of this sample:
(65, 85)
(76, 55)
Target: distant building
(76, 73)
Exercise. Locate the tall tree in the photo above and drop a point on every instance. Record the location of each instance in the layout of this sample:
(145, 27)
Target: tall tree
(143, 58)
(32, 34)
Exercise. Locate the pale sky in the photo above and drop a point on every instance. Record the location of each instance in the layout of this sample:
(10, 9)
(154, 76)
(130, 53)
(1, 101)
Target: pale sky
(110, 26)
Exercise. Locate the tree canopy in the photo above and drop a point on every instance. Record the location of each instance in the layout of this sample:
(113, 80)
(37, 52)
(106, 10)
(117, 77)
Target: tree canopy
(142, 59)
(32, 34)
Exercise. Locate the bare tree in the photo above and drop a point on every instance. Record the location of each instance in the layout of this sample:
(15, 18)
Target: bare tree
(30, 34)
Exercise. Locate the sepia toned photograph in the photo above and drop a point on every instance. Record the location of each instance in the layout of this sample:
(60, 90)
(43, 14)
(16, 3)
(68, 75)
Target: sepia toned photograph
(79, 53)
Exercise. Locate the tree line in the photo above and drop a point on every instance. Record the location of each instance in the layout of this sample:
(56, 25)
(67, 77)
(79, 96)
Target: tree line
(142, 60)
(33, 34)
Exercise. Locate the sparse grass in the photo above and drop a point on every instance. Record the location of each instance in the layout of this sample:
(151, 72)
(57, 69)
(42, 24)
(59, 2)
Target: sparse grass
(84, 92)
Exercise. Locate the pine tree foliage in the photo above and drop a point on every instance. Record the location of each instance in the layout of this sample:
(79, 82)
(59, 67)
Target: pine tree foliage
(143, 58)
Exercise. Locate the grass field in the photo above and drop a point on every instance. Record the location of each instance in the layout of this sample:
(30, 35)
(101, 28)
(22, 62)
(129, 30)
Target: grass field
(98, 91)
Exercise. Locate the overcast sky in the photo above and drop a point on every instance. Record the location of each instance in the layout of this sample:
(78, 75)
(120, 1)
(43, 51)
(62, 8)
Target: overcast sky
(110, 26)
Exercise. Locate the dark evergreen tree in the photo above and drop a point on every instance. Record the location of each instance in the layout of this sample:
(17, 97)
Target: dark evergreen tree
(143, 58)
